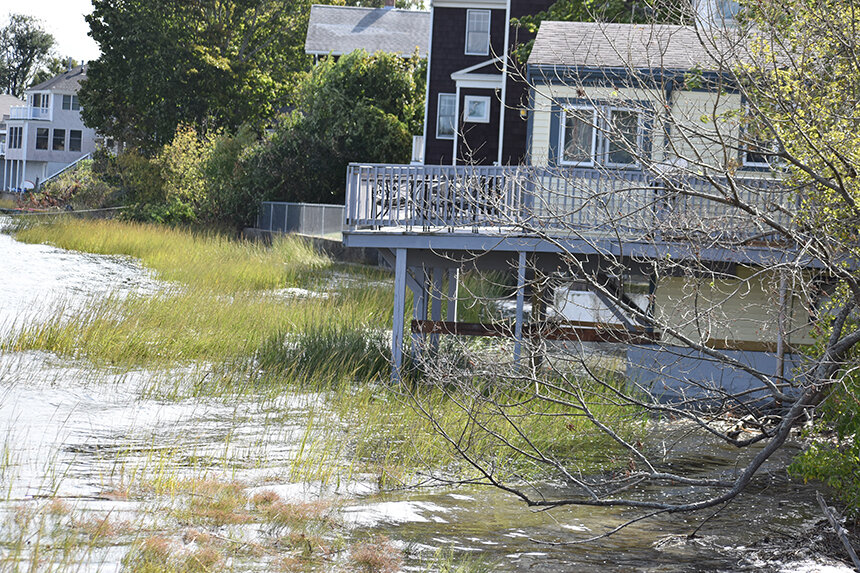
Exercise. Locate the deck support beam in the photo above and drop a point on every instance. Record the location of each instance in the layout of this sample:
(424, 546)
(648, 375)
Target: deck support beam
(399, 312)
(521, 294)
(453, 293)
(436, 304)
(419, 310)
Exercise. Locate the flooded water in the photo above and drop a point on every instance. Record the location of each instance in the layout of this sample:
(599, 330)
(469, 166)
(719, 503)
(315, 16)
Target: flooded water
(79, 433)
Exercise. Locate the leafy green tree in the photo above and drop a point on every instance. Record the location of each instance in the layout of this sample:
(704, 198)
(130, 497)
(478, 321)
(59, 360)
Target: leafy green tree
(622, 11)
(24, 48)
(209, 64)
(358, 108)
(53, 67)
(803, 88)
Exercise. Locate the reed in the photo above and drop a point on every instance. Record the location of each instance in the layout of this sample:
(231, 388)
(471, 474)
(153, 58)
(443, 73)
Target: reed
(204, 259)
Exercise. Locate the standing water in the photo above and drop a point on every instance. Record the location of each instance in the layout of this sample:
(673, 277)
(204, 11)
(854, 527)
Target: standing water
(78, 440)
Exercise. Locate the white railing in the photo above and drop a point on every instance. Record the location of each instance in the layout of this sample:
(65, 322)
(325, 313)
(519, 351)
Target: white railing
(2, 148)
(66, 168)
(29, 112)
(525, 199)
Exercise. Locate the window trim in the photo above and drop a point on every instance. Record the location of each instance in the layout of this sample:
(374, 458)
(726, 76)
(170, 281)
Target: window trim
(563, 130)
(80, 139)
(486, 51)
(453, 96)
(54, 140)
(640, 136)
(744, 149)
(476, 119)
(47, 138)
(600, 140)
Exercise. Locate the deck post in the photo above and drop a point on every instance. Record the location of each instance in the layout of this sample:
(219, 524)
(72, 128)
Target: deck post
(453, 293)
(436, 304)
(419, 311)
(399, 312)
(521, 291)
(780, 328)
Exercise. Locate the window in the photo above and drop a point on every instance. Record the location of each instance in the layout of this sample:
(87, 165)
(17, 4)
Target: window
(579, 137)
(477, 32)
(59, 140)
(41, 138)
(15, 137)
(623, 137)
(756, 142)
(611, 136)
(70, 102)
(75, 140)
(477, 109)
(41, 100)
(446, 116)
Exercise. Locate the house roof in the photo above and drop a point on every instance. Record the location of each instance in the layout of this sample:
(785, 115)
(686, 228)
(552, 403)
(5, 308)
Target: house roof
(600, 45)
(339, 30)
(69, 81)
(7, 102)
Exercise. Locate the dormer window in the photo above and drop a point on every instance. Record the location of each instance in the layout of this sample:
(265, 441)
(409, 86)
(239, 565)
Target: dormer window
(70, 102)
(41, 101)
(477, 32)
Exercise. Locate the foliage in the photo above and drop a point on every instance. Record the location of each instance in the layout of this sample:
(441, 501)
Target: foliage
(358, 108)
(207, 64)
(623, 11)
(24, 48)
(803, 87)
(78, 188)
(229, 200)
(54, 66)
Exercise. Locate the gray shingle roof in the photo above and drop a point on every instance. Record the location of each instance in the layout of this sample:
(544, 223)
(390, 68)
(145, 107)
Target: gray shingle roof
(599, 45)
(66, 82)
(339, 30)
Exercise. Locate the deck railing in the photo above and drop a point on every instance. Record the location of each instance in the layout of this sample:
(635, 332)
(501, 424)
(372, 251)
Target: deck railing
(558, 201)
(30, 112)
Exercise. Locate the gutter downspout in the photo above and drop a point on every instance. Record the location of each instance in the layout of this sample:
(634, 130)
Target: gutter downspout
(503, 107)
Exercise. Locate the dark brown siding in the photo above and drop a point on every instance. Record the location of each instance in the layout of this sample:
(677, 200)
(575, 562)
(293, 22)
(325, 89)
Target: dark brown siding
(516, 91)
(448, 56)
(479, 143)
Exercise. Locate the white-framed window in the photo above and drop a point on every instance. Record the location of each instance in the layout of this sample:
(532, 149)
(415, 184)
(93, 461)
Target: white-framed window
(579, 136)
(75, 137)
(477, 32)
(15, 134)
(70, 102)
(59, 140)
(446, 116)
(42, 138)
(477, 109)
(42, 101)
(601, 135)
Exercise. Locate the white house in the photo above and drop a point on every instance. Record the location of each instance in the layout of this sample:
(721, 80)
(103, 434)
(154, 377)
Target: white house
(46, 135)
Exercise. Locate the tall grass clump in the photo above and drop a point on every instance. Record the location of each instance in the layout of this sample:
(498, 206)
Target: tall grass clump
(200, 259)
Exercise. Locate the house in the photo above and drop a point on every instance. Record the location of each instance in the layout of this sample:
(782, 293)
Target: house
(338, 30)
(607, 161)
(7, 102)
(46, 134)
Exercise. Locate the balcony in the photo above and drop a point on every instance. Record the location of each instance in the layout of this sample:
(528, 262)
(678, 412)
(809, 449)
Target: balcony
(526, 200)
(29, 112)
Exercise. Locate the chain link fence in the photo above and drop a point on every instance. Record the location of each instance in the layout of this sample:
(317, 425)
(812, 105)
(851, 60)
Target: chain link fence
(304, 218)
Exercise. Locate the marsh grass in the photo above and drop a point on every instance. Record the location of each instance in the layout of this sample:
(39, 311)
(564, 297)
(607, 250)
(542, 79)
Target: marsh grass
(198, 259)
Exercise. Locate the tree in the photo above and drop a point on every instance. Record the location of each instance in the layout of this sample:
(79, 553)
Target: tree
(211, 64)
(53, 67)
(24, 48)
(695, 255)
(358, 108)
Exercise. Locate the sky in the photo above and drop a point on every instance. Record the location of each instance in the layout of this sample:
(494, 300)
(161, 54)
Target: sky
(63, 19)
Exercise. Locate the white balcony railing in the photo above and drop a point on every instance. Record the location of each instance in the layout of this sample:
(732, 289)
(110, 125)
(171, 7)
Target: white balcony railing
(558, 201)
(29, 112)
(2, 148)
